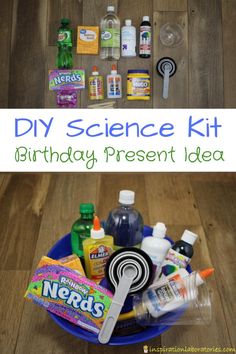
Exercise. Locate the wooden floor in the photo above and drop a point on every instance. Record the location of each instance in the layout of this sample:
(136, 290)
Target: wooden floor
(37, 209)
(206, 75)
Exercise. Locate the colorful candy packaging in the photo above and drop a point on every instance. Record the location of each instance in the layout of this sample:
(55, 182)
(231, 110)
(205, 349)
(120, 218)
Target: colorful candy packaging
(68, 294)
(66, 79)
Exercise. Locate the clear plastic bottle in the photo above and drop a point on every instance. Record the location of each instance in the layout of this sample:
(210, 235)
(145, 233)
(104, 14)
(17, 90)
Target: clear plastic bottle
(110, 35)
(176, 301)
(125, 223)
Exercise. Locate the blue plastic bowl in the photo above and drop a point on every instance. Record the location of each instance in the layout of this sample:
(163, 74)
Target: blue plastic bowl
(62, 249)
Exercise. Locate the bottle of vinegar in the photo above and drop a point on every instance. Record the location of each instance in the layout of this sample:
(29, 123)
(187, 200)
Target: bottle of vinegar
(110, 35)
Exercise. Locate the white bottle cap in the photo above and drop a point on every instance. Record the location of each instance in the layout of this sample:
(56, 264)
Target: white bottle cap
(128, 22)
(126, 197)
(110, 8)
(159, 230)
(189, 237)
(145, 18)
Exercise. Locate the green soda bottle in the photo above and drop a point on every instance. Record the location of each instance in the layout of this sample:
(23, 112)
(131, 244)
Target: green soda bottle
(64, 45)
(81, 228)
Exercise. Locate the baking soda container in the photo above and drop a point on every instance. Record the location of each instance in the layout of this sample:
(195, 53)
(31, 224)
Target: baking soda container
(114, 84)
(97, 250)
(174, 302)
(110, 35)
(125, 223)
(128, 40)
(145, 39)
(138, 85)
(81, 228)
(96, 86)
(156, 246)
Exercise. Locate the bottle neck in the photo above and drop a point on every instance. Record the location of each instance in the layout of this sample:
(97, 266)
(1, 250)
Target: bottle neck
(86, 216)
(126, 206)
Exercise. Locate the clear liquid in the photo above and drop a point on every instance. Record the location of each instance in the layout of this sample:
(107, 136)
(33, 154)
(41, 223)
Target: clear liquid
(125, 224)
(110, 21)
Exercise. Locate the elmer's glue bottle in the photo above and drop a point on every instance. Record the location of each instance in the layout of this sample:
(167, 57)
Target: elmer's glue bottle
(114, 85)
(97, 250)
(96, 86)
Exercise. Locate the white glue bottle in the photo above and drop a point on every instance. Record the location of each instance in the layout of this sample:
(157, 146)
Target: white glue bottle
(114, 84)
(156, 246)
(128, 40)
(164, 297)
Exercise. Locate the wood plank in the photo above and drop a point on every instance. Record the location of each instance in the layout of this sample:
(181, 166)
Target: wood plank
(11, 307)
(129, 9)
(53, 20)
(21, 209)
(229, 50)
(26, 83)
(194, 336)
(5, 40)
(205, 54)
(178, 89)
(217, 203)
(38, 332)
(170, 5)
(171, 199)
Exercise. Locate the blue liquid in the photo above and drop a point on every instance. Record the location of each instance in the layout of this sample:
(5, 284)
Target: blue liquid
(125, 224)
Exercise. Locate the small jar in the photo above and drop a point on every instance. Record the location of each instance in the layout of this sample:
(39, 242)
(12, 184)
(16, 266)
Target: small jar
(138, 85)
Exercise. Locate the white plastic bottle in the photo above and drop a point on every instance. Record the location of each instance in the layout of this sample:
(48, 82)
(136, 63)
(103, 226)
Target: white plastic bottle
(128, 40)
(110, 35)
(114, 84)
(156, 246)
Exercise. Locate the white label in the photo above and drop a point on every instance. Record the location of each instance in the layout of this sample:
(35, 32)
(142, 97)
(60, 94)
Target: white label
(87, 35)
(128, 42)
(145, 40)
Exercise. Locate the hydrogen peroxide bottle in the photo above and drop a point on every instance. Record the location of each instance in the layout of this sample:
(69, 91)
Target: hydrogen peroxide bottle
(125, 223)
(110, 35)
(64, 45)
(81, 228)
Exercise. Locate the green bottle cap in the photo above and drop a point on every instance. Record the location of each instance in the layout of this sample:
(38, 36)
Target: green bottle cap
(65, 21)
(86, 208)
